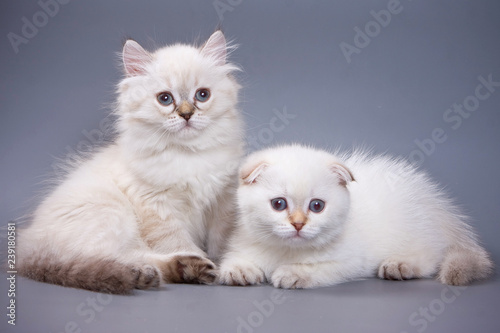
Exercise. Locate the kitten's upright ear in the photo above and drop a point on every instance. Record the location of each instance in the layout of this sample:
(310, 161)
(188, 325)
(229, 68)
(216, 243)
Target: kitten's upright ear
(251, 171)
(343, 173)
(216, 48)
(135, 58)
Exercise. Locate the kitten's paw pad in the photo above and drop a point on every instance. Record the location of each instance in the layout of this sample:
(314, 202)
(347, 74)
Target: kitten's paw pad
(190, 269)
(146, 277)
(289, 278)
(396, 270)
(242, 274)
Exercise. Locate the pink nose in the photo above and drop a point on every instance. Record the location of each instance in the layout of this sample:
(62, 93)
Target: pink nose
(298, 226)
(185, 110)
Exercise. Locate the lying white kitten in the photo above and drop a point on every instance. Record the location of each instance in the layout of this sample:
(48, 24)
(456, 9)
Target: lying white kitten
(310, 219)
(153, 204)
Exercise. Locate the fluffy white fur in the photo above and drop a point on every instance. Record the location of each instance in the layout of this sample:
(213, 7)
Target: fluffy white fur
(164, 188)
(381, 218)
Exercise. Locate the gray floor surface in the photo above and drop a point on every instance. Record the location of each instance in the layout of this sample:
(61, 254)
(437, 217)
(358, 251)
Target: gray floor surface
(385, 74)
(360, 306)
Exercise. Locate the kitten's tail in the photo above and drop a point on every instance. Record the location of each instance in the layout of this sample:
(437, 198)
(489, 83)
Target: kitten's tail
(101, 275)
(465, 260)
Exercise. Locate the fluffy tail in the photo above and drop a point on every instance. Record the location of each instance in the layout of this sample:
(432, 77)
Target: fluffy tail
(465, 264)
(101, 275)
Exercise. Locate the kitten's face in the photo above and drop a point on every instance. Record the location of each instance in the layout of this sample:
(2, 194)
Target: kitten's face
(180, 93)
(295, 196)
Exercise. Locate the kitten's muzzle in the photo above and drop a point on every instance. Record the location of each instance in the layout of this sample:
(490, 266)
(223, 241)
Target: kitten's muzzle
(185, 110)
(298, 219)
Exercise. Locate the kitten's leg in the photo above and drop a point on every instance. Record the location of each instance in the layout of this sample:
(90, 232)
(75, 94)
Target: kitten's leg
(239, 266)
(220, 223)
(460, 266)
(94, 245)
(240, 272)
(300, 276)
(166, 236)
(180, 259)
(398, 269)
(184, 268)
(410, 266)
(102, 275)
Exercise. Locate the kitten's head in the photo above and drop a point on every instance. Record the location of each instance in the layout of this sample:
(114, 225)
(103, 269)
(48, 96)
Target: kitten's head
(294, 196)
(179, 95)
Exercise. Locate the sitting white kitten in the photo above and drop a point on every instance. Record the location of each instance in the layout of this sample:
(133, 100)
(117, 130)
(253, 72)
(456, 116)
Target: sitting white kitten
(306, 223)
(156, 203)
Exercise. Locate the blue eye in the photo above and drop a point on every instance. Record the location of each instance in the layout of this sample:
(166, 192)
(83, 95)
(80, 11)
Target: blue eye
(279, 204)
(165, 98)
(316, 205)
(202, 94)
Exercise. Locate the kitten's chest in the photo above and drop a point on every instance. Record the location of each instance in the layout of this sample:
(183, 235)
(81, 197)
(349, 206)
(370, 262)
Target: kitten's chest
(182, 184)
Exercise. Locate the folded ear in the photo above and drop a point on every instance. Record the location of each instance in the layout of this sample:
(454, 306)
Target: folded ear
(216, 48)
(135, 58)
(250, 172)
(343, 173)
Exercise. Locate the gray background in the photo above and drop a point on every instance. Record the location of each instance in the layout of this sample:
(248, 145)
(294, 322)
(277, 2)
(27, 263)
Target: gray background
(396, 90)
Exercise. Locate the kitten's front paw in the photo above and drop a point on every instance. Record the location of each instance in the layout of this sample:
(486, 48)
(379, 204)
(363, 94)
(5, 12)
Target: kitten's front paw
(241, 274)
(396, 270)
(291, 277)
(189, 269)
